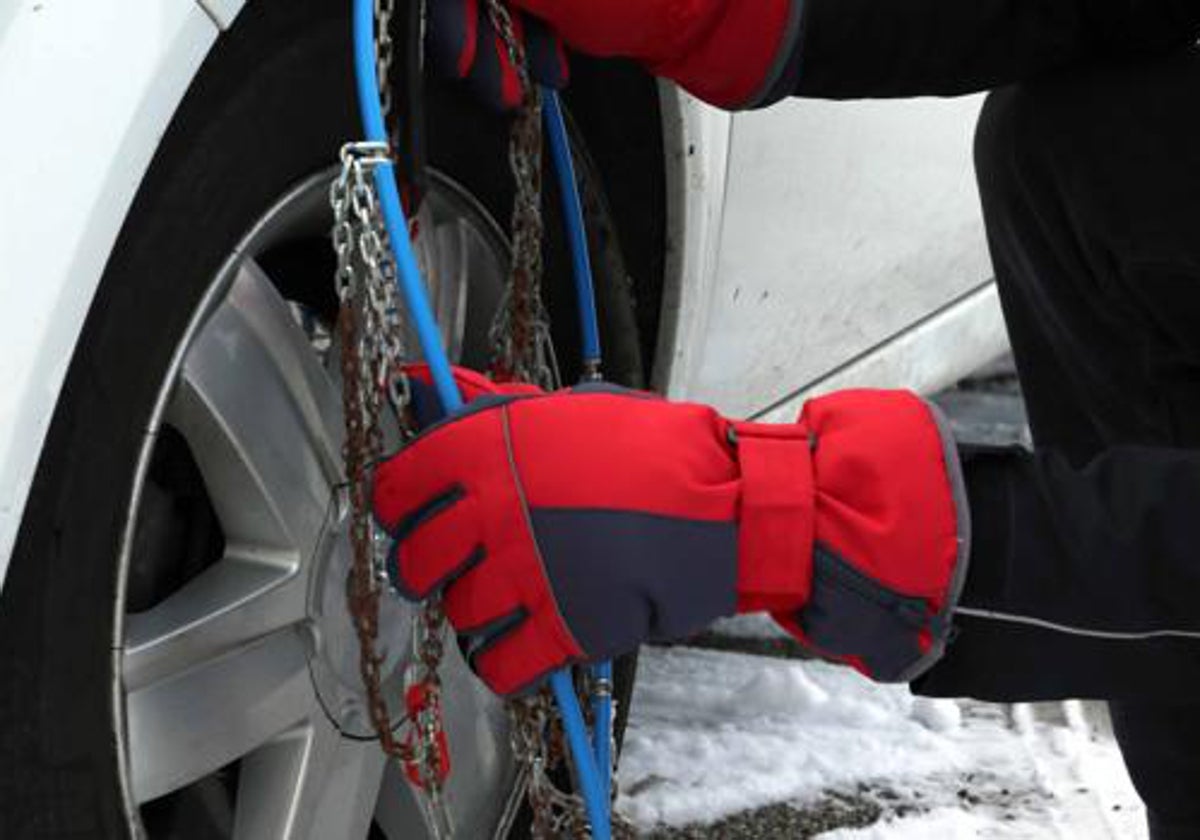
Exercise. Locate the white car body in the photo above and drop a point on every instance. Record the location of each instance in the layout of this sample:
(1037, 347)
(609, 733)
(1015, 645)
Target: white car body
(826, 245)
(812, 245)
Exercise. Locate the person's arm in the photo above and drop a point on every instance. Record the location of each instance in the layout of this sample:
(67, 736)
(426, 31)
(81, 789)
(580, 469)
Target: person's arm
(1083, 577)
(748, 53)
(890, 48)
(574, 526)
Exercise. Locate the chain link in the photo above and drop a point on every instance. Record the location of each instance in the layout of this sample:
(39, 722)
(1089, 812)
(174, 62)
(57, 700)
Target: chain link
(524, 350)
(384, 54)
(372, 351)
(520, 334)
(535, 731)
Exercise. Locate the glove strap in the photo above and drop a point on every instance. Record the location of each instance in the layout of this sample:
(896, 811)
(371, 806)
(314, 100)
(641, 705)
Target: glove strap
(775, 523)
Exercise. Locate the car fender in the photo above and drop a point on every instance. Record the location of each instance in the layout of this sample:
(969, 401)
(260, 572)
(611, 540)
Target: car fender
(96, 84)
(696, 145)
(86, 92)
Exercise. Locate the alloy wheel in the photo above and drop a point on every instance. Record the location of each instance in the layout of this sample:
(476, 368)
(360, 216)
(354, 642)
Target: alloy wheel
(244, 712)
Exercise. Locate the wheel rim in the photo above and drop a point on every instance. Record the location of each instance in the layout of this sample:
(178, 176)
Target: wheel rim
(246, 659)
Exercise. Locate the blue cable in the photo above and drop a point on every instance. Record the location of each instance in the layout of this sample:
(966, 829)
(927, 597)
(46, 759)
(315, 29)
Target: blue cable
(413, 290)
(602, 717)
(408, 274)
(572, 207)
(585, 765)
(568, 189)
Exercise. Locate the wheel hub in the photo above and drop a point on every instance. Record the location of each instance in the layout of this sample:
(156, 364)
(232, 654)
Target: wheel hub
(334, 645)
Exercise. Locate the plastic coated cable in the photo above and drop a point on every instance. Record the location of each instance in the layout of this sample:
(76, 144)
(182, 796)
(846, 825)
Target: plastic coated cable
(572, 207)
(407, 273)
(594, 802)
(560, 152)
(413, 291)
(602, 717)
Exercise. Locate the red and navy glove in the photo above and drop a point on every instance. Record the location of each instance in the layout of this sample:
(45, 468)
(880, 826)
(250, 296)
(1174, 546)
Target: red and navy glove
(574, 526)
(463, 44)
(731, 53)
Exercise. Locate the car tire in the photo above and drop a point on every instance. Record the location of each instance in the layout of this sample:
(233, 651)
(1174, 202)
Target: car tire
(271, 104)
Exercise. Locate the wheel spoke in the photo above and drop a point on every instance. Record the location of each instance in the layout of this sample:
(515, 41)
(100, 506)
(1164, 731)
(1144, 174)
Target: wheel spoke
(310, 783)
(263, 421)
(193, 723)
(229, 606)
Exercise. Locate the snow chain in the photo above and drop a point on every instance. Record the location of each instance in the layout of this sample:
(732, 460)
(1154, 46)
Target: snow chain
(522, 348)
(372, 353)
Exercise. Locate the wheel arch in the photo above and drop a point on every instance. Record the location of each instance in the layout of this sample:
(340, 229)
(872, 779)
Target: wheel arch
(138, 64)
(95, 87)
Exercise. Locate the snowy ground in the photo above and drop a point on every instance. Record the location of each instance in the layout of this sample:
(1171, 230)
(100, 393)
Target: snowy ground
(716, 734)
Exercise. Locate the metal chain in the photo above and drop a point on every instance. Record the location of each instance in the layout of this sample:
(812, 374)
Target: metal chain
(535, 731)
(385, 50)
(372, 351)
(522, 346)
(362, 444)
(384, 54)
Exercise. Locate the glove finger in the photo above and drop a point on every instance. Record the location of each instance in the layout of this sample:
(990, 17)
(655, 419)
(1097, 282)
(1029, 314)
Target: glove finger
(464, 44)
(452, 37)
(517, 661)
(545, 54)
(493, 76)
(481, 603)
(435, 545)
(441, 458)
(427, 405)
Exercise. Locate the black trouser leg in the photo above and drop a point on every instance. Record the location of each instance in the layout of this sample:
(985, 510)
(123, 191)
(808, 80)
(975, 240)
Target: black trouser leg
(1085, 576)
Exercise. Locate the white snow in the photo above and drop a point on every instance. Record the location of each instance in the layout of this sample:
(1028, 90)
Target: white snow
(936, 714)
(749, 626)
(713, 734)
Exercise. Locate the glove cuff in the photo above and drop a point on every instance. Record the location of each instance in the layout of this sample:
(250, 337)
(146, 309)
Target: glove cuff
(742, 55)
(775, 516)
(892, 534)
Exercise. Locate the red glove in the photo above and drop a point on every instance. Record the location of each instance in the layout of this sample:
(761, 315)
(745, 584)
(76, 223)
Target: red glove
(463, 44)
(574, 526)
(727, 52)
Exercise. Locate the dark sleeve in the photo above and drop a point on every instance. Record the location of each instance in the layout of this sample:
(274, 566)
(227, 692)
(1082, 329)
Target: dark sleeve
(1083, 579)
(891, 48)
